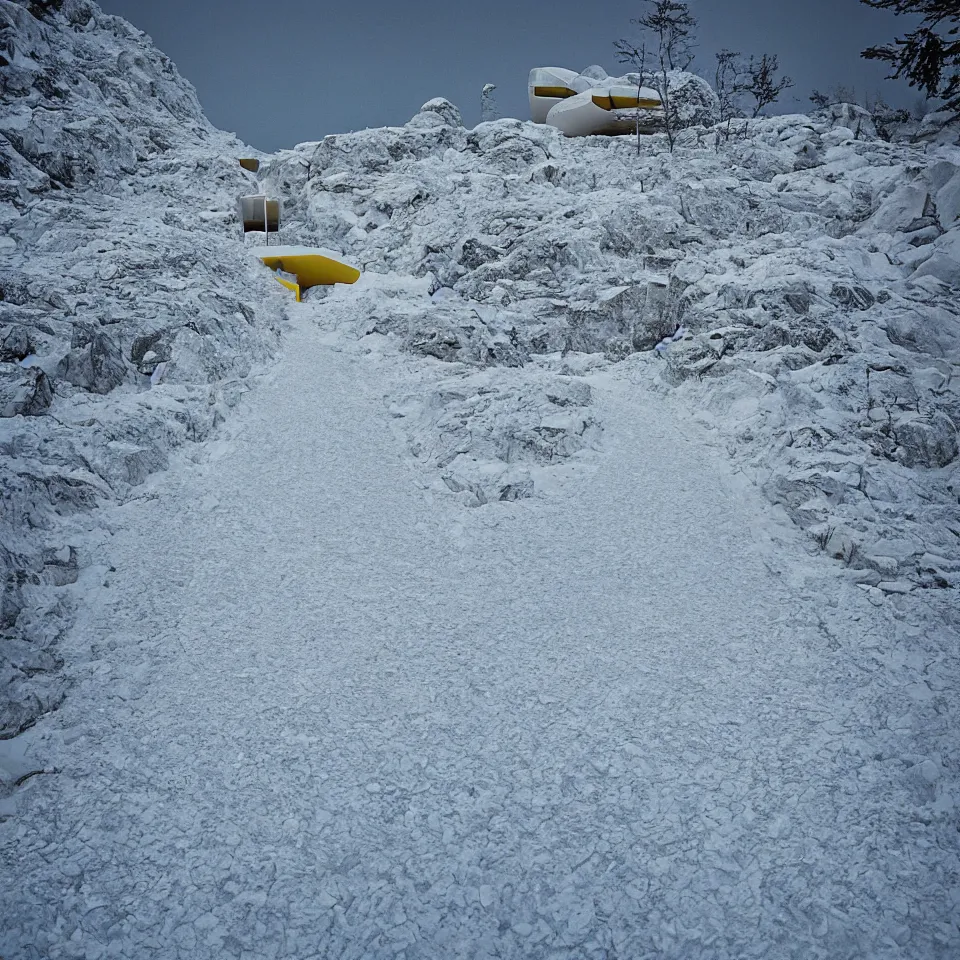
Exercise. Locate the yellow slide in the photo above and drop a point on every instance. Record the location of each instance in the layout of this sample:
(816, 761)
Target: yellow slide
(312, 266)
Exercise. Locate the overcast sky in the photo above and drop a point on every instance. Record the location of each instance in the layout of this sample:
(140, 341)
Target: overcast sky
(285, 71)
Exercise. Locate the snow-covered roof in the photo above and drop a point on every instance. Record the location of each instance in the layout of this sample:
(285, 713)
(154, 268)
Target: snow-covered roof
(281, 250)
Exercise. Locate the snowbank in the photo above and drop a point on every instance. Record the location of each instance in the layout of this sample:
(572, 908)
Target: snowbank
(130, 315)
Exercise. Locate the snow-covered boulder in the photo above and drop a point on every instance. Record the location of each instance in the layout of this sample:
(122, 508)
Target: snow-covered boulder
(499, 436)
(926, 441)
(23, 392)
(693, 101)
(849, 116)
(941, 126)
(444, 109)
(97, 365)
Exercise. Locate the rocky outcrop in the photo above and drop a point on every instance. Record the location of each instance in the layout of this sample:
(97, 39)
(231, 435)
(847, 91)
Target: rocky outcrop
(488, 104)
(23, 392)
(116, 197)
(811, 267)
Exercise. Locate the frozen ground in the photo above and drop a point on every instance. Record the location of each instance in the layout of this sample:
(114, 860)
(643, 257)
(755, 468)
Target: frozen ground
(118, 273)
(324, 711)
(505, 618)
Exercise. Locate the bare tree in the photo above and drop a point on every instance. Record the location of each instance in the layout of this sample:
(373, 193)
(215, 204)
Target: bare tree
(637, 58)
(762, 82)
(674, 26)
(671, 29)
(728, 82)
(839, 93)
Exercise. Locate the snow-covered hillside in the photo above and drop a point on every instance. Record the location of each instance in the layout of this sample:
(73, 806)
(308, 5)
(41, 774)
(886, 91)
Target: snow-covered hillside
(813, 272)
(119, 261)
(815, 275)
(783, 292)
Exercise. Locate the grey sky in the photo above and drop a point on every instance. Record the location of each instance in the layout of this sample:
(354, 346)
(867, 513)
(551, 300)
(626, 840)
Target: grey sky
(286, 71)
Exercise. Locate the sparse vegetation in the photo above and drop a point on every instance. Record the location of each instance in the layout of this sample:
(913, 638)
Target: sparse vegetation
(929, 56)
(885, 116)
(637, 58)
(668, 27)
(728, 82)
(762, 83)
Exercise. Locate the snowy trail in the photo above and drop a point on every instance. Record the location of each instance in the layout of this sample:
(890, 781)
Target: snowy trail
(328, 716)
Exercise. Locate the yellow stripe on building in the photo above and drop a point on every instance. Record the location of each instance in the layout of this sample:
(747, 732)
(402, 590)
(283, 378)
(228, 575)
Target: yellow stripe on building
(607, 102)
(554, 93)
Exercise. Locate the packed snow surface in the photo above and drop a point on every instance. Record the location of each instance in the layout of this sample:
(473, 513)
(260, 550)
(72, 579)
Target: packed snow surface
(583, 581)
(322, 712)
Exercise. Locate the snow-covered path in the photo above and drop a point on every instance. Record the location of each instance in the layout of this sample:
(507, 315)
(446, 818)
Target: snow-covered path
(329, 715)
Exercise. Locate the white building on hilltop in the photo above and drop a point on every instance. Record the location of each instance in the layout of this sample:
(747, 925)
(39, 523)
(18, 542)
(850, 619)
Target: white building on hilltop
(591, 103)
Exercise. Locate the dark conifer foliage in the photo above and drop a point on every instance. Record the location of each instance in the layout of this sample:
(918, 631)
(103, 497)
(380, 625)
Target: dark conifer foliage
(928, 57)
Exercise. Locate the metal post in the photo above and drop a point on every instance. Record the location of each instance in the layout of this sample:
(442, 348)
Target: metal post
(639, 88)
(266, 222)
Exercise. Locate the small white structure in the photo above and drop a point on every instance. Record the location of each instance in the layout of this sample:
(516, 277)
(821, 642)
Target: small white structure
(260, 213)
(549, 86)
(590, 103)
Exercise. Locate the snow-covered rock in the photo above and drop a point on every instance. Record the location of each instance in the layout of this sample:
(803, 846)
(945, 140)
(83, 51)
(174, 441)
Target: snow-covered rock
(791, 282)
(23, 392)
(813, 265)
(87, 97)
(694, 102)
(488, 104)
(118, 202)
(850, 116)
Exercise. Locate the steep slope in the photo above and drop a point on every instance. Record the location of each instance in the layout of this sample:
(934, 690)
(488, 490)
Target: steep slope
(87, 98)
(811, 269)
(814, 275)
(121, 266)
(321, 707)
(353, 719)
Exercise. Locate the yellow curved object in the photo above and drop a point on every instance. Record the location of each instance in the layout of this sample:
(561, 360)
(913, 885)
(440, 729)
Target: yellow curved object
(608, 101)
(311, 268)
(554, 93)
(290, 285)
